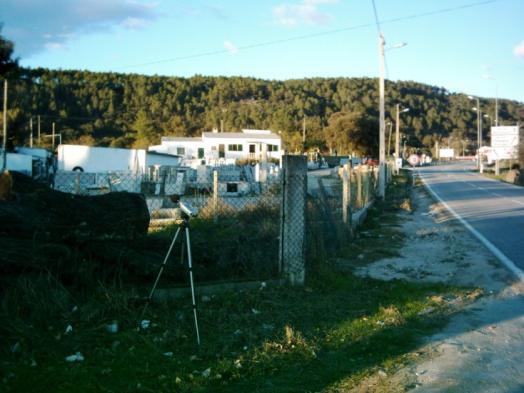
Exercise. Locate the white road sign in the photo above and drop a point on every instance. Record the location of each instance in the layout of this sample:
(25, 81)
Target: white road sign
(505, 141)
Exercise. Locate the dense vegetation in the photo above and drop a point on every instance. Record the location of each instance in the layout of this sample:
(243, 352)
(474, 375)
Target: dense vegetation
(136, 110)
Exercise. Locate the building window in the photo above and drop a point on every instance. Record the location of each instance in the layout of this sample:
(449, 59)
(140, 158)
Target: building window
(252, 148)
(232, 187)
(181, 151)
(200, 152)
(234, 147)
(272, 147)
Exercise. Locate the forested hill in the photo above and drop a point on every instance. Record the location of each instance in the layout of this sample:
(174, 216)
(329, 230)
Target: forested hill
(136, 110)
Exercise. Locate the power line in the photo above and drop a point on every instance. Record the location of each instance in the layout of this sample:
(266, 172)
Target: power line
(377, 22)
(315, 35)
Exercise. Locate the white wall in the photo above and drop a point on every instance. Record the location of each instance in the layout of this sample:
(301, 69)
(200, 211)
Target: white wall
(20, 163)
(101, 159)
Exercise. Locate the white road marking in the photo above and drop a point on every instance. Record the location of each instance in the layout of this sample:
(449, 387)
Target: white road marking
(490, 246)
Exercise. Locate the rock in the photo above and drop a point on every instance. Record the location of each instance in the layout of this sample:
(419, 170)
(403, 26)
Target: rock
(513, 176)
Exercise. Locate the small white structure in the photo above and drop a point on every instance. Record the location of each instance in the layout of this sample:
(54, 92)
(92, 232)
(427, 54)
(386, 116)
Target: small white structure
(215, 148)
(446, 153)
(109, 159)
(33, 162)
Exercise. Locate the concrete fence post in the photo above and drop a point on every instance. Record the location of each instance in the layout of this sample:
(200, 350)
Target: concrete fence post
(346, 195)
(359, 186)
(293, 219)
(215, 196)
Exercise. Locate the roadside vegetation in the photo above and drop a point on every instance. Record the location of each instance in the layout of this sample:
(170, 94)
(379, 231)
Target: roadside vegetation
(329, 335)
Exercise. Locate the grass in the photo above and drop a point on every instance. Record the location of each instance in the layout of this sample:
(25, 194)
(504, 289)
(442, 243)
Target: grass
(328, 336)
(334, 332)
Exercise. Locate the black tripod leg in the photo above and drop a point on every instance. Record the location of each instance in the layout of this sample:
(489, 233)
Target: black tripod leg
(162, 267)
(190, 268)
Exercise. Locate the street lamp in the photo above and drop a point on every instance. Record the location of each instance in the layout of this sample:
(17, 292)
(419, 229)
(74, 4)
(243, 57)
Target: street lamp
(491, 77)
(479, 128)
(397, 136)
(382, 121)
(490, 119)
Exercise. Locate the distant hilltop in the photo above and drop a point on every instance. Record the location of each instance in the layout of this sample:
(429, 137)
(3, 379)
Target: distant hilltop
(130, 110)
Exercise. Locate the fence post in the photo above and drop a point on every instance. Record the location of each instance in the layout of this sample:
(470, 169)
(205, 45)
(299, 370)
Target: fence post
(77, 183)
(215, 196)
(293, 219)
(346, 195)
(359, 186)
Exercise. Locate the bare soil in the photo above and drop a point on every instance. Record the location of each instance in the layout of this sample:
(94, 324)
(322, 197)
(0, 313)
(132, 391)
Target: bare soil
(481, 348)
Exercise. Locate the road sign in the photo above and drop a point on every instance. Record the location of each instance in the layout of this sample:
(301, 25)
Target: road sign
(414, 160)
(446, 153)
(505, 141)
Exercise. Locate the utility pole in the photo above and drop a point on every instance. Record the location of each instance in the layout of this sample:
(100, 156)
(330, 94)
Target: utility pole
(397, 139)
(304, 134)
(53, 136)
(4, 139)
(382, 123)
(39, 142)
(31, 132)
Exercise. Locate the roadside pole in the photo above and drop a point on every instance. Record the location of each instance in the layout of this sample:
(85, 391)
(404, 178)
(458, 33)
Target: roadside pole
(4, 139)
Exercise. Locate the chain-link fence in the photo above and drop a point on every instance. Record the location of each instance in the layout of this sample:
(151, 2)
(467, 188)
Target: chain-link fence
(236, 232)
(253, 222)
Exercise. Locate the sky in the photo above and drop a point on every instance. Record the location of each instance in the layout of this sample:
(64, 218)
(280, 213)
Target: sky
(468, 46)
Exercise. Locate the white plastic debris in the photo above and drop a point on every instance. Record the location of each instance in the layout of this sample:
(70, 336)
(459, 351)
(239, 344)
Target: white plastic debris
(77, 357)
(263, 285)
(68, 329)
(237, 332)
(238, 363)
(75, 309)
(168, 354)
(16, 347)
(145, 323)
(206, 373)
(255, 311)
(112, 327)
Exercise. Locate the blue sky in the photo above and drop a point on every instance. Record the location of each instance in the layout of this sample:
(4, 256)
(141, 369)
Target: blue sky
(478, 50)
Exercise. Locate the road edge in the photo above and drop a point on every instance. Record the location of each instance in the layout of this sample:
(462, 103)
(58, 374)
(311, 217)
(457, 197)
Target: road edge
(490, 246)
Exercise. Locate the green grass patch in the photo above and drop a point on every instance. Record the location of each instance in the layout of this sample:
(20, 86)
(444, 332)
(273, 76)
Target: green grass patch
(336, 330)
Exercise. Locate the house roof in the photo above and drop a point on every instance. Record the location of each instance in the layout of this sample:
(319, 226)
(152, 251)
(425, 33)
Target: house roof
(239, 135)
(156, 153)
(180, 139)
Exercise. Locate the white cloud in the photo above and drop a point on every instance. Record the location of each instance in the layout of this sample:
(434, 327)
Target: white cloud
(306, 12)
(518, 51)
(231, 48)
(54, 45)
(35, 25)
(133, 23)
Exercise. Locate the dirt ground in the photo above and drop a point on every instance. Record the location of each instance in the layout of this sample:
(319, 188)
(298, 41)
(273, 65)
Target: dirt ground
(481, 349)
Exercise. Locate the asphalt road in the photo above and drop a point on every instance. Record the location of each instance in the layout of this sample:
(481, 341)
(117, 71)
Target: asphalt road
(494, 209)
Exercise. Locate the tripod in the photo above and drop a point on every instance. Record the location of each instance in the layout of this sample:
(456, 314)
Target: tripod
(184, 227)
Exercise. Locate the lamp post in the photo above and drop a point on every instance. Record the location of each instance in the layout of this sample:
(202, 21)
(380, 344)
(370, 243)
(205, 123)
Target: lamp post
(491, 77)
(382, 121)
(397, 136)
(479, 128)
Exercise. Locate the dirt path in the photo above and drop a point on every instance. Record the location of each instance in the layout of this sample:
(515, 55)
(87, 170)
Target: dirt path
(482, 348)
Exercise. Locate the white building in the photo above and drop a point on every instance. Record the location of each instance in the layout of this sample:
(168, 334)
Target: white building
(107, 159)
(223, 148)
